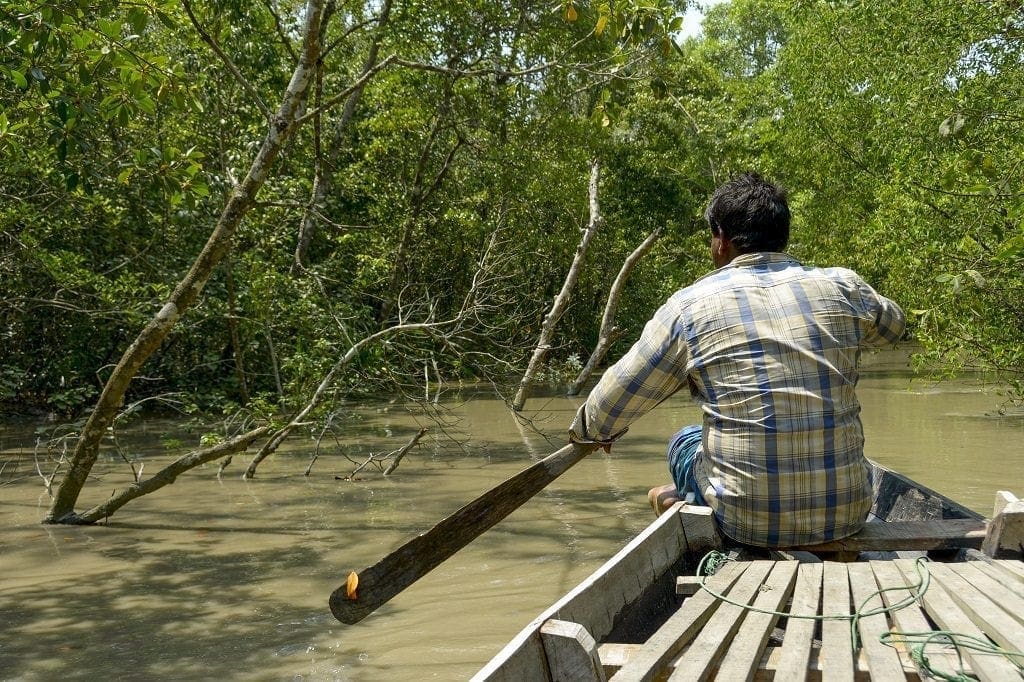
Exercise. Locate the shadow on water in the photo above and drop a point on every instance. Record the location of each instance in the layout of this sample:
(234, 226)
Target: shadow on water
(135, 622)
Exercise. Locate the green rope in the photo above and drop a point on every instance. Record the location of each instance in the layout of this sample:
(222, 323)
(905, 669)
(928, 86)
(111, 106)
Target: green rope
(917, 641)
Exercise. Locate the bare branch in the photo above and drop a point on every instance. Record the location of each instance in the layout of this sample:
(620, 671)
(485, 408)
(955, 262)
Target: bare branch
(562, 299)
(609, 333)
(168, 475)
(279, 27)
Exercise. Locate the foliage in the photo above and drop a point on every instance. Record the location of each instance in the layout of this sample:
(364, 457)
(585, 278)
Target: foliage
(122, 133)
(907, 155)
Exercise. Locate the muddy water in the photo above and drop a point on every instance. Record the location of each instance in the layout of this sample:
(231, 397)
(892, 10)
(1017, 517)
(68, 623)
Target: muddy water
(229, 579)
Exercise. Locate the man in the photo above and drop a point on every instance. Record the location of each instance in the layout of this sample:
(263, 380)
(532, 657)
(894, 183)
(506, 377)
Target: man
(769, 348)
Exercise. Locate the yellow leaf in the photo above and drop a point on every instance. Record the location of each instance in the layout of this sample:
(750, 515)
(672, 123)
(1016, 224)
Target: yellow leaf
(602, 21)
(351, 584)
(570, 13)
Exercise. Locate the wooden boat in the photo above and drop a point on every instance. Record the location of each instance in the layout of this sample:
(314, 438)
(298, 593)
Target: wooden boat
(632, 618)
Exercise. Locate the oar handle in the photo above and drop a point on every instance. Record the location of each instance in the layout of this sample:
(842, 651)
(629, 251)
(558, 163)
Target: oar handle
(417, 557)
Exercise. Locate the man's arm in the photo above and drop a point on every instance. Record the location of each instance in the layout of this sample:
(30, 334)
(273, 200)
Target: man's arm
(885, 321)
(652, 370)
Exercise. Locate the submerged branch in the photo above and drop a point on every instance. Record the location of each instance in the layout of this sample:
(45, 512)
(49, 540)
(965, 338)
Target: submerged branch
(167, 476)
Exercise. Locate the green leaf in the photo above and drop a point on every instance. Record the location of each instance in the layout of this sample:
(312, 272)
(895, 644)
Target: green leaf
(138, 20)
(166, 20)
(109, 28)
(19, 79)
(146, 104)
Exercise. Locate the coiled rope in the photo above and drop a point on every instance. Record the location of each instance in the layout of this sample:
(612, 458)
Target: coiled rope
(916, 641)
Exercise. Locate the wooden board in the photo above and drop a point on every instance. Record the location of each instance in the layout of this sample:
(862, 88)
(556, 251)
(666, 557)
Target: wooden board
(795, 653)
(1001, 596)
(571, 651)
(1000, 575)
(836, 652)
(909, 535)
(998, 625)
(744, 653)
(882, 659)
(942, 609)
(697, 662)
(680, 628)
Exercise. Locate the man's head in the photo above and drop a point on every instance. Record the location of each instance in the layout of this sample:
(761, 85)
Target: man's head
(746, 215)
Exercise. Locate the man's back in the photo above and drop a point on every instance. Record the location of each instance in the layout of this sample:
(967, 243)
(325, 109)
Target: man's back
(770, 349)
(772, 352)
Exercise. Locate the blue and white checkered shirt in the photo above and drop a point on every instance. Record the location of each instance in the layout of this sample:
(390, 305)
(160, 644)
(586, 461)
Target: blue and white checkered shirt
(769, 348)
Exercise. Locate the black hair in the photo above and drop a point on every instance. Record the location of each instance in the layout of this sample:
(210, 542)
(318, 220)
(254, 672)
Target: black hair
(751, 212)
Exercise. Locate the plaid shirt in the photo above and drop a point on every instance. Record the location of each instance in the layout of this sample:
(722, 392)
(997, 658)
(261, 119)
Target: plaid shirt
(769, 348)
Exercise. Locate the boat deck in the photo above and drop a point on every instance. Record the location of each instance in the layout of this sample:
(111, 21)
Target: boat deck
(708, 638)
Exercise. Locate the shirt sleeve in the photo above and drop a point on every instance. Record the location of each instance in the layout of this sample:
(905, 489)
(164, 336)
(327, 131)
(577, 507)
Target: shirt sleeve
(884, 321)
(651, 371)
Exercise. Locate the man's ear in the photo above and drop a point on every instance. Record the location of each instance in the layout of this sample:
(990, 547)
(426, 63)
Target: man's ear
(720, 245)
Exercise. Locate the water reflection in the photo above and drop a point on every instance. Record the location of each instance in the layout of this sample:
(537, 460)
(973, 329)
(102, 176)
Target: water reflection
(229, 579)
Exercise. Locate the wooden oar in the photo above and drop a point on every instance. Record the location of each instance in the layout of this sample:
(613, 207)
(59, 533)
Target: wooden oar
(417, 557)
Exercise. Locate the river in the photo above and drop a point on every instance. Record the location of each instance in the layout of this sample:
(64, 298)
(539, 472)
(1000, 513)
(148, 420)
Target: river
(229, 579)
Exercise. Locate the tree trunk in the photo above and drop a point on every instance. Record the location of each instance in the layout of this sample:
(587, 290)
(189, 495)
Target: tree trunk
(609, 333)
(325, 169)
(188, 290)
(420, 195)
(236, 339)
(562, 299)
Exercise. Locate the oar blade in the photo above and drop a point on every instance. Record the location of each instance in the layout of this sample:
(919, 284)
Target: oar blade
(374, 586)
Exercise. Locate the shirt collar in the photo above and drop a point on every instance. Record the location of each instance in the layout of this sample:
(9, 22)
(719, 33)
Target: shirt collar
(761, 258)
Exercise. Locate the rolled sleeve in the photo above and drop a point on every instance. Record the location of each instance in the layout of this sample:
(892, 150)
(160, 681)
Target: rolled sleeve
(886, 322)
(652, 370)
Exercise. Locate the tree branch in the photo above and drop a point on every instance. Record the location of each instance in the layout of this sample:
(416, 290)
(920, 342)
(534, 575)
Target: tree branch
(609, 333)
(167, 476)
(562, 300)
(208, 39)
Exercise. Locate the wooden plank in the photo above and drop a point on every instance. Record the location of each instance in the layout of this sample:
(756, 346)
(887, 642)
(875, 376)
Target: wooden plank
(908, 535)
(910, 618)
(688, 585)
(882, 659)
(941, 608)
(993, 621)
(680, 628)
(571, 652)
(707, 647)
(1011, 566)
(1005, 538)
(907, 619)
(836, 647)
(596, 601)
(795, 652)
(615, 655)
(1006, 599)
(740, 661)
(994, 570)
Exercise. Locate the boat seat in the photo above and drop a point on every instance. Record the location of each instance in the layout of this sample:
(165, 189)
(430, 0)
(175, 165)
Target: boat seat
(934, 535)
